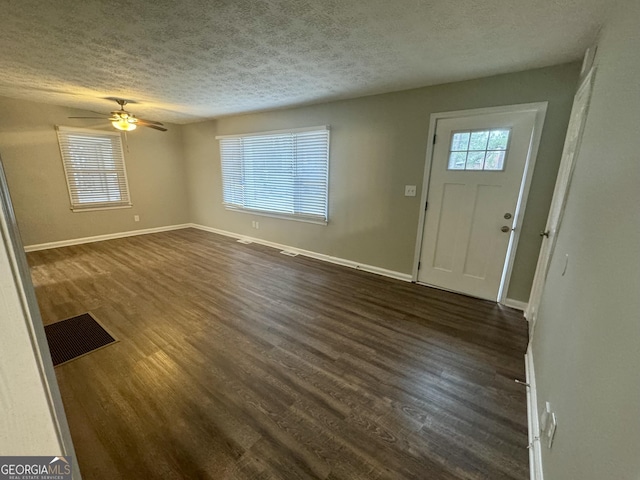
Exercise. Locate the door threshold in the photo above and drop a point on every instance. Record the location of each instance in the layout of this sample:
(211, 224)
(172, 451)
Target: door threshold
(436, 287)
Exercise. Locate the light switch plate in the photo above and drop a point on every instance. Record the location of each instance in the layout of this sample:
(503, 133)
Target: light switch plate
(409, 190)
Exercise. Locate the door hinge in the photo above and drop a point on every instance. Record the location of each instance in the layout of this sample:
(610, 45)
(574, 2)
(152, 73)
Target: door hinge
(426, 204)
(419, 263)
(434, 138)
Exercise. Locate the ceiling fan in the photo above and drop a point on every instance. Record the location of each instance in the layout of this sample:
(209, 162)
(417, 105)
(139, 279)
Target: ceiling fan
(125, 121)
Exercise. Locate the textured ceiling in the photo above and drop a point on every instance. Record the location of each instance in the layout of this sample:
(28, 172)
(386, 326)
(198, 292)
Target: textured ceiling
(193, 59)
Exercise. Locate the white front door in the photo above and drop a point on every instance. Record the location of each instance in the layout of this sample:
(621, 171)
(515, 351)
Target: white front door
(476, 178)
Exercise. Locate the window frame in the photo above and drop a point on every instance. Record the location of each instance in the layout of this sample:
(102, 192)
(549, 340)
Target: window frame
(298, 217)
(94, 206)
(470, 131)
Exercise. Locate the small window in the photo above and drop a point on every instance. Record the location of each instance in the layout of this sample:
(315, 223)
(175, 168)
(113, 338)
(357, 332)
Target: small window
(479, 149)
(283, 174)
(94, 167)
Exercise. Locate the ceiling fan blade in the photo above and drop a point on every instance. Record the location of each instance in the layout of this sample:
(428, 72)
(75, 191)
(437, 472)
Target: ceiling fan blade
(153, 122)
(155, 127)
(101, 118)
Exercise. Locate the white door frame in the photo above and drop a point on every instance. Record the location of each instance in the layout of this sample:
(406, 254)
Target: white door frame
(540, 108)
(25, 318)
(560, 193)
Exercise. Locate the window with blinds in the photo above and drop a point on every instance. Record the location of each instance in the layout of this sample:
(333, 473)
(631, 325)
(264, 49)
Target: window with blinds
(284, 174)
(94, 167)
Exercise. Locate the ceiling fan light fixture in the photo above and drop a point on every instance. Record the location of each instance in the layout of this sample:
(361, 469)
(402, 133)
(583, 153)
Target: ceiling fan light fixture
(124, 125)
(125, 121)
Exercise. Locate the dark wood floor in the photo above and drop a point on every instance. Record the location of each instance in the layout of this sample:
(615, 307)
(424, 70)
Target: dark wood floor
(237, 362)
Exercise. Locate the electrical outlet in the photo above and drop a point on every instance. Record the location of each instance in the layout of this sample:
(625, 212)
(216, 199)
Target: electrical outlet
(410, 190)
(253, 224)
(136, 218)
(258, 225)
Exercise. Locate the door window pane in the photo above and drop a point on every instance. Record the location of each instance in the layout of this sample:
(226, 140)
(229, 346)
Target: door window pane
(479, 140)
(498, 140)
(494, 160)
(475, 161)
(460, 142)
(457, 160)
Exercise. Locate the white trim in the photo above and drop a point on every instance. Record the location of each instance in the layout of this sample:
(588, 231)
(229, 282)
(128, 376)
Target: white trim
(425, 193)
(541, 109)
(536, 136)
(307, 253)
(535, 451)
(560, 192)
(517, 304)
(17, 263)
(281, 216)
(93, 209)
(275, 132)
(100, 238)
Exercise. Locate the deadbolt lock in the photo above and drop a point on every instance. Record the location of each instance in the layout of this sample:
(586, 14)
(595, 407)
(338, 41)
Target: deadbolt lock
(505, 229)
(507, 216)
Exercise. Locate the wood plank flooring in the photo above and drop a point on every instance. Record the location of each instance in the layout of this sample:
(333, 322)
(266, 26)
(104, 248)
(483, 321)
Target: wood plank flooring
(237, 362)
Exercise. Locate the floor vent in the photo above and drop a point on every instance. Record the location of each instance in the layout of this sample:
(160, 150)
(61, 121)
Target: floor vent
(75, 337)
(245, 241)
(289, 253)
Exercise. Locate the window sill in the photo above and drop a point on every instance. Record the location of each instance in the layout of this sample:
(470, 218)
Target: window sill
(276, 215)
(93, 209)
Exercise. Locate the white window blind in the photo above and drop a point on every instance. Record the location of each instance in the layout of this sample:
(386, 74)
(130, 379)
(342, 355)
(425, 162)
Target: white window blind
(278, 173)
(94, 167)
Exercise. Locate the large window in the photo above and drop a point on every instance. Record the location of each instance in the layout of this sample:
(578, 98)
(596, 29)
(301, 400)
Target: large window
(94, 166)
(284, 174)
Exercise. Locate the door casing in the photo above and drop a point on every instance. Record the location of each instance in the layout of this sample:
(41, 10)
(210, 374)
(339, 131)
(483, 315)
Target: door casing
(540, 109)
(577, 120)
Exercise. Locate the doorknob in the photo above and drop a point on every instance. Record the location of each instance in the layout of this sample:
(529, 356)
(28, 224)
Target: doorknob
(507, 216)
(545, 234)
(505, 229)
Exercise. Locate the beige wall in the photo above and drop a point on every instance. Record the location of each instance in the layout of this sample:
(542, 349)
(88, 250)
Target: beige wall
(29, 150)
(586, 345)
(378, 145)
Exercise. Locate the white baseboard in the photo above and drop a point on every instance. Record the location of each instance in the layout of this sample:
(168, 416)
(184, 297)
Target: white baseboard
(517, 304)
(307, 253)
(99, 238)
(535, 453)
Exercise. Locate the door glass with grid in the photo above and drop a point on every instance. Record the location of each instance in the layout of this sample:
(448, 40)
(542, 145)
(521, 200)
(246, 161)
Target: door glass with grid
(479, 150)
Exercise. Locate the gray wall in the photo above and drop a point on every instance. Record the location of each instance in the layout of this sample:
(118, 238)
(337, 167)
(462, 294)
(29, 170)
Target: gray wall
(586, 344)
(378, 145)
(29, 150)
